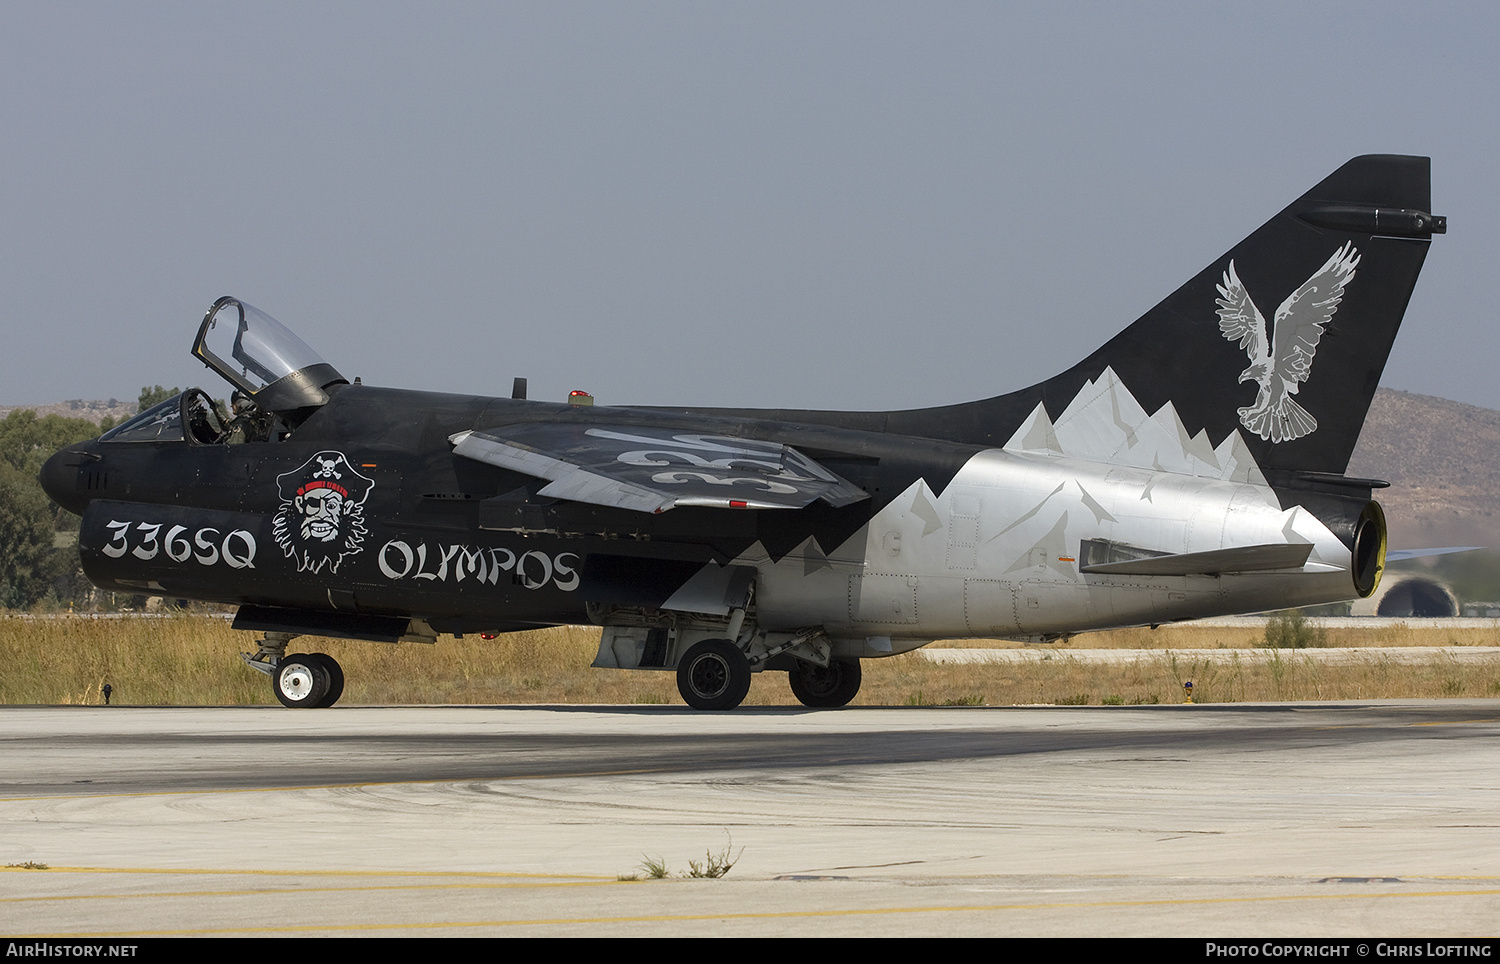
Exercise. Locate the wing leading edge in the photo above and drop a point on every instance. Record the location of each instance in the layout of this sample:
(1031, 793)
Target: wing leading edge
(652, 470)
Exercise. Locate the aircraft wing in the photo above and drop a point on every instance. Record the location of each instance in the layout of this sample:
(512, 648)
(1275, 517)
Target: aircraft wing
(653, 469)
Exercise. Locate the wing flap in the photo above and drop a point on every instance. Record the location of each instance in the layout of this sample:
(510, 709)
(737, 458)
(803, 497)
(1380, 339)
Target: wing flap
(653, 470)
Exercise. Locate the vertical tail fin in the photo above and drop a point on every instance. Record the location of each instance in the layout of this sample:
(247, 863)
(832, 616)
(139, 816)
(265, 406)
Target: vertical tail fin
(1282, 338)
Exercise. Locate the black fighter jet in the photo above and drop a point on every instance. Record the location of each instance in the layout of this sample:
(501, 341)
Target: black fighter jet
(1159, 479)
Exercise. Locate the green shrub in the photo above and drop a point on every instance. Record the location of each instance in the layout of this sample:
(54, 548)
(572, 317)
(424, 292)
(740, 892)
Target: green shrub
(1291, 630)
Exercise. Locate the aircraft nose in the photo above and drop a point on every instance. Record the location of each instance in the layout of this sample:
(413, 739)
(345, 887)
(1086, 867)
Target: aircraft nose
(59, 478)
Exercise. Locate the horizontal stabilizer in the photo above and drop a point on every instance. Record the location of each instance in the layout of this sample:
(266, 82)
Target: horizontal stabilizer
(1396, 555)
(1278, 555)
(653, 470)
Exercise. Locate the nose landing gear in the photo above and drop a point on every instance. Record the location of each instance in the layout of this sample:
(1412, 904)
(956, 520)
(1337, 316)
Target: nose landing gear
(301, 679)
(308, 679)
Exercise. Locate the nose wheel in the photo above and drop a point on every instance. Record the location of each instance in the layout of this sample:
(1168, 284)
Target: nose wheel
(308, 680)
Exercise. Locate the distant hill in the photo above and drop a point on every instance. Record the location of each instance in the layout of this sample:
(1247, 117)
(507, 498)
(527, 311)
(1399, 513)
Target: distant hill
(1442, 459)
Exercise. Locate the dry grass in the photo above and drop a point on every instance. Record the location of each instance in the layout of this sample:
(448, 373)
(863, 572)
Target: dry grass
(193, 660)
(1198, 636)
(1223, 677)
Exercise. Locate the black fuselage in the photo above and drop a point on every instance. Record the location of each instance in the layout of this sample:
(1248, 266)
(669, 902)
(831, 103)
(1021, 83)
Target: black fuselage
(465, 545)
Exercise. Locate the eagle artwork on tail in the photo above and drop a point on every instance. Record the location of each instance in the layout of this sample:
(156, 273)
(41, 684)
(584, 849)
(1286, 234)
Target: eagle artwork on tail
(1280, 366)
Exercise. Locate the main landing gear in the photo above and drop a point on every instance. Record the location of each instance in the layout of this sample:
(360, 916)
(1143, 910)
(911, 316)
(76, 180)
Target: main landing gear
(301, 679)
(718, 659)
(826, 686)
(713, 675)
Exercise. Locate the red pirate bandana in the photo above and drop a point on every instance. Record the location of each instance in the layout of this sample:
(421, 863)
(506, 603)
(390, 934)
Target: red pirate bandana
(323, 484)
(325, 470)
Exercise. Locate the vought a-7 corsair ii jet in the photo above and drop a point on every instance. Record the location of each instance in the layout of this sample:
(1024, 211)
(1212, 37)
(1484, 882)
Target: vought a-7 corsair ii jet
(1193, 466)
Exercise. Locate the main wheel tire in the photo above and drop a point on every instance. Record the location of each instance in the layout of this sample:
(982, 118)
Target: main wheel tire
(826, 686)
(300, 681)
(713, 675)
(335, 678)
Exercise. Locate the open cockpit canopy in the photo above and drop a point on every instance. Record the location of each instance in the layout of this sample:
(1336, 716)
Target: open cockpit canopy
(263, 358)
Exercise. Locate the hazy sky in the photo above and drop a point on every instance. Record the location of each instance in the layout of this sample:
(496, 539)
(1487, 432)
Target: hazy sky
(834, 205)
